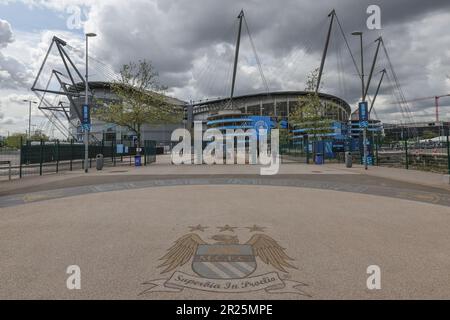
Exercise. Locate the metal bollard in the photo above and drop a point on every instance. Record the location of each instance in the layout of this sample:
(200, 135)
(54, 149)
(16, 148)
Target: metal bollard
(348, 160)
(99, 162)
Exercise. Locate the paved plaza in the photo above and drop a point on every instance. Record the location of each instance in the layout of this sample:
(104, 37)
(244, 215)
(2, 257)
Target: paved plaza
(325, 226)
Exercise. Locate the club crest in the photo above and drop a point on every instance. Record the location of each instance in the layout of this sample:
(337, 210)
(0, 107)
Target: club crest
(224, 264)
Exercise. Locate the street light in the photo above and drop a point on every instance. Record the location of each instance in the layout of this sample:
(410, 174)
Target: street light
(29, 116)
(86, 102)
(360, 34)
(366, 151)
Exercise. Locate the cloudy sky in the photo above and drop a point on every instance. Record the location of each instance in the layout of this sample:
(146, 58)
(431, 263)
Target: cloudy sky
(191, 43)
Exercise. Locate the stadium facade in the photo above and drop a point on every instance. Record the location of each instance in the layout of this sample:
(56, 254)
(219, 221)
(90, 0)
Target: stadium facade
(101, 91)
(253, 111)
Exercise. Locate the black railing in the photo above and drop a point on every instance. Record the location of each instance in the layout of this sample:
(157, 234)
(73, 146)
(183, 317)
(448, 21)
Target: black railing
(40, 157)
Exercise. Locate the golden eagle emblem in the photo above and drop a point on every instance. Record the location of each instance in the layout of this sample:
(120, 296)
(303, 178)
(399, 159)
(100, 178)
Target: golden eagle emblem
(226, 258)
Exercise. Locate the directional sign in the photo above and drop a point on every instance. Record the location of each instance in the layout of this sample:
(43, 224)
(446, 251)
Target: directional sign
(86, 115)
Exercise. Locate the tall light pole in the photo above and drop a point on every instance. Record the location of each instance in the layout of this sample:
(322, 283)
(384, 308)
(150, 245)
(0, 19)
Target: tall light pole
(360, 34)
(29, 116)
(86, 105)
(363, 96)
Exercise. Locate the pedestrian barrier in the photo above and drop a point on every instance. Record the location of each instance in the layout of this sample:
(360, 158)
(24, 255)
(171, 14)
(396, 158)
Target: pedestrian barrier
(45, 157)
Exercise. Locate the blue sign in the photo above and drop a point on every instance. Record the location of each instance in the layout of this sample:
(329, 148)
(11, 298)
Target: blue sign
(261, 123)
(86, 127)
(369, 160)
(86, 115)
(284, 124)
(339, 146)
(363, 111)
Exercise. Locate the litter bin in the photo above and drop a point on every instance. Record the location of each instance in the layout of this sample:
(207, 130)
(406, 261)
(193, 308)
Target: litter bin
(137, 161)
(99, 161)
(348, 160)
(319, 158)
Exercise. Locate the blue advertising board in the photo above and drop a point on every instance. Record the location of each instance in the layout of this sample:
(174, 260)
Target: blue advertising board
(86, 127)
(262, 122)
(338, 146)
(120, 149)
(364, 114)
(86, 115)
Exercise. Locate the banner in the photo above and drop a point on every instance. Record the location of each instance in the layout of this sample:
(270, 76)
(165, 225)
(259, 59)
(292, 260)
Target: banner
(270, 282)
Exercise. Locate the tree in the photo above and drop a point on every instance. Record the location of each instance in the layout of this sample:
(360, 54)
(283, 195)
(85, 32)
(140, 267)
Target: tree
(38, 136)
(13, 141)
(310, 115)
(140, 100)
(428, 135)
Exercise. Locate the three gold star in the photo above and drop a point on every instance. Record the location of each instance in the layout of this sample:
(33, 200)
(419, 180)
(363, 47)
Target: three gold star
(226, 228)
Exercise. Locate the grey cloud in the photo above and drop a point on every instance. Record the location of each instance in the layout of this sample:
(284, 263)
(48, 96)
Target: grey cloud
(7, 121)
(6, 34)
(13, 73)
(182, 39)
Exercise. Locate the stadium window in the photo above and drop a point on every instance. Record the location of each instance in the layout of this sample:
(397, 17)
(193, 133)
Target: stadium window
(254, 110)
(282, 109)
(268, 109)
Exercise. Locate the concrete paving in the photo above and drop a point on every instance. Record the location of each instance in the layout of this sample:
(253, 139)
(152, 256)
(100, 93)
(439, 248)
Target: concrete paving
(333, 222)
(118, 238)
(163, 168)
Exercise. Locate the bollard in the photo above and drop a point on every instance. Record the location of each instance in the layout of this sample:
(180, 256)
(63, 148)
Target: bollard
(348, 160)
(99, 162)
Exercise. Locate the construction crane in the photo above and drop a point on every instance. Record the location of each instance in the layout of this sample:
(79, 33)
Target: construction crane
(436, 102)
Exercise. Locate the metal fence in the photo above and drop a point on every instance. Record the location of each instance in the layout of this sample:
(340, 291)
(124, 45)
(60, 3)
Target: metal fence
(305, 152)
(425, 156)
(40, 157)
(432, 156)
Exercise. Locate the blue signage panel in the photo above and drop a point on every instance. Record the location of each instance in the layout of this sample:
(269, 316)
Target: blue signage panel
(262, 122)
(120, 149)
(369, 161)
(339, 146)
(363, 111)
(86, 127)
(86, 115)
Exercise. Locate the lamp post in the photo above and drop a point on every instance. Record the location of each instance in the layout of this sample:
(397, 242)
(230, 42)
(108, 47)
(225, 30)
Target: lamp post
(86, 105)
(29, 116)
(363, 95)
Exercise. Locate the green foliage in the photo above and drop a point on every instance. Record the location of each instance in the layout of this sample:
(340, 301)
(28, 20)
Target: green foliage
(13, 141)
(39, 137)
(284, 137)
(428, 135)
(140, 100)
(310, 114)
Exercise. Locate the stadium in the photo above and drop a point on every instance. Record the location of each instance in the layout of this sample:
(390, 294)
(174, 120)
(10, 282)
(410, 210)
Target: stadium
(249, 111)
(271, 110)
(264, 110)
